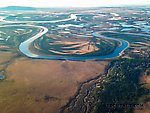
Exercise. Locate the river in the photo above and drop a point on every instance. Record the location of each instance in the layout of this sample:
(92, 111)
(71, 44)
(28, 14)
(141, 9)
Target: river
(24, 46)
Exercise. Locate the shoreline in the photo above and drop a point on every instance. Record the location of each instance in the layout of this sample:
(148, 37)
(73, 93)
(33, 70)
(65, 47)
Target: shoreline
(24, 48)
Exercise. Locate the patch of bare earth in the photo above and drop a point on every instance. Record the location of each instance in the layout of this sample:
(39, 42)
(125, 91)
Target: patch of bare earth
(44, 86)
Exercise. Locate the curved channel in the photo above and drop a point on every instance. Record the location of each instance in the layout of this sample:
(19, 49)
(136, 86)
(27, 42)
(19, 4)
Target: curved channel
(25, 45)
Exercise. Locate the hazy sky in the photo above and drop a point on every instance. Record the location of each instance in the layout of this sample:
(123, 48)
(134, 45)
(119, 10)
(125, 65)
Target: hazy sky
(73, 3)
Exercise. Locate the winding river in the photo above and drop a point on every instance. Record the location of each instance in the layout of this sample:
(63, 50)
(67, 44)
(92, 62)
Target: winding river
(23, 47)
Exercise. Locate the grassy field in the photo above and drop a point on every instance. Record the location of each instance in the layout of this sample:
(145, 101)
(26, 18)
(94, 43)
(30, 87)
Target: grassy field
(44, 86)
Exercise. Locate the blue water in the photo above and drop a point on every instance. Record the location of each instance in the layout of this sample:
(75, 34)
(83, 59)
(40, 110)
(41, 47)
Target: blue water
(1, 76)
(24, 49)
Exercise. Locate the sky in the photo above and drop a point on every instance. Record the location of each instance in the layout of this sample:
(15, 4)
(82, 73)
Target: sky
(72, 3)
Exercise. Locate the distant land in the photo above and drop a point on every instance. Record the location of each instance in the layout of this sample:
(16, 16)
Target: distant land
(39, 8)
(17, 8)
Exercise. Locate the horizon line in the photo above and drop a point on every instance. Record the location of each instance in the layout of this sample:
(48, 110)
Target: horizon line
(79, 6)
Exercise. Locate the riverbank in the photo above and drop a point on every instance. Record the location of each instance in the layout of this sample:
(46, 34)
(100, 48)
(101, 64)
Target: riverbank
(24, 48)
